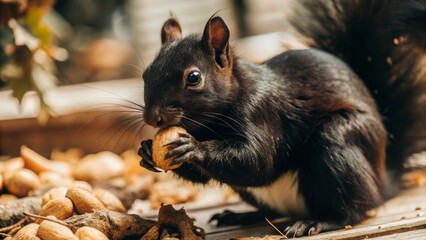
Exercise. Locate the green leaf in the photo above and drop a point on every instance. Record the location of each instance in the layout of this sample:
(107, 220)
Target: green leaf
(17, 65)
(17, 72)
(19, 82)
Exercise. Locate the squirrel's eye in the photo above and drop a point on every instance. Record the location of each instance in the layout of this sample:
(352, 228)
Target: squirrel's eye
(193, 78)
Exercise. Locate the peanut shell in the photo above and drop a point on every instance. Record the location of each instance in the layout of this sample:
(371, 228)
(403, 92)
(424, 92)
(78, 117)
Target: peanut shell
(28, 232)
(57, 192)
(159, 151)
(99, 167)
(21, 182)
(37, 163)
(82, 184)
(88, 233)
(110, 201)
(52, 178)
(84, 201)
(12, 164)
(61, 208)
(54, 231)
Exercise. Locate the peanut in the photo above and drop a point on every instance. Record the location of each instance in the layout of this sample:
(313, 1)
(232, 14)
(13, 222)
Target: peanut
(84, 201)
(99, 167)
(110, 201)
(159, 151)
(28, 232)
(38, 163)
(57, 192)
(21, 182)
(61, 208)
(88, 233)
(54, 231)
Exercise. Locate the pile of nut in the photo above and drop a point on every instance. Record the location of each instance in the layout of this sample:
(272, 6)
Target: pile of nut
(70, 190)
(54, 231)
(71, 184)
(60, 203)
(30, 171)
(32, 174)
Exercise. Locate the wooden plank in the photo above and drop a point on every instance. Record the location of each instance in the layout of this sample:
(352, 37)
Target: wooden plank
(374, 230)
(414, 235)
(410, 203)
(399, 215)
(409, 228)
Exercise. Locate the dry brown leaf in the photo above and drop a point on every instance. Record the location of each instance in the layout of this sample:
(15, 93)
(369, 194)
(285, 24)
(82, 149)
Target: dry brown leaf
(168, 217)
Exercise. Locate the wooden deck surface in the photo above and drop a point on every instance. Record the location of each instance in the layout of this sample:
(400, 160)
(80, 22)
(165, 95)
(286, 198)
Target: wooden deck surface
(402, 217)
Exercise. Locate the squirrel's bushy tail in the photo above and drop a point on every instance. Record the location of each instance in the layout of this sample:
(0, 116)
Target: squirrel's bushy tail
(384, 42)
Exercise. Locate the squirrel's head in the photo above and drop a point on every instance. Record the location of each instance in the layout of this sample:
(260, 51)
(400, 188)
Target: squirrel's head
(189, 75)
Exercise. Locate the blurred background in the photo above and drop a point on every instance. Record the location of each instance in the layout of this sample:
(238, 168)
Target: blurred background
(70, 70)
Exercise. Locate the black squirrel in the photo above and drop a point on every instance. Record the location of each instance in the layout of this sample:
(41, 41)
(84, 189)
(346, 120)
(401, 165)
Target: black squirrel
(299, 135)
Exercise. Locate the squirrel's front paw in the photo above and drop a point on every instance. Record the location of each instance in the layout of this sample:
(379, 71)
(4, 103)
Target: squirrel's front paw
(185, 148)
(145, 152)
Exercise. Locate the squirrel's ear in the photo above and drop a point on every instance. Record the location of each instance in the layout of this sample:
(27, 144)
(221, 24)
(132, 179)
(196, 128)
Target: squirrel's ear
(171, 31)
(216, 39)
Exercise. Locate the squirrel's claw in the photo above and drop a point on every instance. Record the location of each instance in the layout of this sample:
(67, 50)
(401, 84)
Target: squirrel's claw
(309, 228)
(183, 149)
(145, 149)
(145, 152)
(179, 141)
(180, 150)
(148, 166)
(181, 158)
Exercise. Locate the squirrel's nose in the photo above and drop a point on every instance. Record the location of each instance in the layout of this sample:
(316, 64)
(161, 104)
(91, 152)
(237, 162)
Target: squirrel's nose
(153, 118)
(159, 121)
(156, 121)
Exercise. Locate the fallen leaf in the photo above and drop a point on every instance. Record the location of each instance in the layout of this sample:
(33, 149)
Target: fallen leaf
(168, 217)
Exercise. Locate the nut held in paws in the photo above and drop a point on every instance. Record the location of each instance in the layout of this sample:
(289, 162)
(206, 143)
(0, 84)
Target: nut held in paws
(162, 137)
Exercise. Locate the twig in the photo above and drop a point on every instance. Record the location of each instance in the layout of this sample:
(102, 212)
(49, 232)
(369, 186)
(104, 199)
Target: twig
(46, 218)
(18, 224)
(272, 225)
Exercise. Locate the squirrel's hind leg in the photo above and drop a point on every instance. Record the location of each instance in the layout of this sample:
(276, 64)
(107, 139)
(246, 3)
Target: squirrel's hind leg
(309, 228)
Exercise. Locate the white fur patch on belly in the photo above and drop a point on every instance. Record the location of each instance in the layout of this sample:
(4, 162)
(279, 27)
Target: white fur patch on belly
(282, 195)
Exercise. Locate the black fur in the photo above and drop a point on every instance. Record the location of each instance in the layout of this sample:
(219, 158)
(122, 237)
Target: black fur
(301, 111)
(384, 41)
